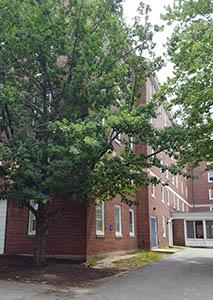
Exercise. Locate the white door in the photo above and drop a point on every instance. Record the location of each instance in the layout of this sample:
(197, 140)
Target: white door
(170, 233)
(3, 214)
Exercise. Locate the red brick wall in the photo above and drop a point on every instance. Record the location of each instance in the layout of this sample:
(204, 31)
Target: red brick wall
(109, 242)
(143, 219)
(66, 237)
(201, 188)
(178, 232)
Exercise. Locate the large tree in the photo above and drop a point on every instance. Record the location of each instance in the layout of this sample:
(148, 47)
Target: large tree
(70, 81)
(190, 90)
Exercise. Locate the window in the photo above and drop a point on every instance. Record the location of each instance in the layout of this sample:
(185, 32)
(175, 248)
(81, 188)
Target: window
(118, 231)
(211, 194)
(162, 193)
(190, 229)
(178, 202)
(32, 219)
(130, 143)
(131, 222)
(194, 229)
(167, 197)
(100, 218)
(211, 208)
(209, 229)
(118, 138)
(150, 90)
(210, 177)
(177, 182)
(173, 179)
(162, 166)
(153, 190)
(199, 229)
(164, 227)
(173, 201)
(182, 187)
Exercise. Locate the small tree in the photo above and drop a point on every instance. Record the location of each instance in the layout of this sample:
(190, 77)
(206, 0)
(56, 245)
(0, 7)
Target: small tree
(190, 49)
(70, 79)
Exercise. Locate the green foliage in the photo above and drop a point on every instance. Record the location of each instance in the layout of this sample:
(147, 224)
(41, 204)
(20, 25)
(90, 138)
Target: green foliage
(70, 82)
(191, 89)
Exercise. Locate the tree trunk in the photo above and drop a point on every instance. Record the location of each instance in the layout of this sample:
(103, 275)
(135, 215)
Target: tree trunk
(41, 236)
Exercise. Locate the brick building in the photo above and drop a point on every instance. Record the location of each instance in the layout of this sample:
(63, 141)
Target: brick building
(178, 213)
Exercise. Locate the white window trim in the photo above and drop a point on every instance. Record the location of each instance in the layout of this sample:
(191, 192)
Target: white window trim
(173, 201)
(118, 233)
(31, 218)
(177, 181)
(210, 176)
(131, 143)
(153, 191)
(210, 194)
(162, 194)
(183, 209)
(182, 187)
(178, 204)
(132, 234)
(164, 226)
(162, 163)
(118, 139)
(167, 197)
(101, 232)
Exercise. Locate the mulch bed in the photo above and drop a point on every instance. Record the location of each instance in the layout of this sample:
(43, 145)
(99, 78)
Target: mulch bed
(57, 271)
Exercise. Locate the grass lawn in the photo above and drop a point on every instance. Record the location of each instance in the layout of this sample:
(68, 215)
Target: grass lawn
(139, 260)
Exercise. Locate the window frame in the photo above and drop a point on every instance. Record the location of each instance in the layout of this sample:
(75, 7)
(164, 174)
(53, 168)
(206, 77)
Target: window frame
(164, 226)
(31, 219)
(162, 194)
(153, 190)
(101, 232)
(132, 212)
(210, 176)
(210, 194)
(167, 197)
(118, 233)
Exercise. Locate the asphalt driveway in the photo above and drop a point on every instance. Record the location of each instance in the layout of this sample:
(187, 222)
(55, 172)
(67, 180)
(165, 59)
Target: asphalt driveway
(186, 275)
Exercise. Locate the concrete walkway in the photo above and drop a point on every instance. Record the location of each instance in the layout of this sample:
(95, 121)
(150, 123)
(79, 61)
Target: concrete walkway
(185, 275)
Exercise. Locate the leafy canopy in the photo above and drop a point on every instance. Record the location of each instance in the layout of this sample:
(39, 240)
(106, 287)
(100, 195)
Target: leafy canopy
(190, 49)
(70, 83)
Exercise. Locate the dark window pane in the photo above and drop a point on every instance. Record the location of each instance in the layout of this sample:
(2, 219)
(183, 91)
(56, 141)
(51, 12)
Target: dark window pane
(209, 229)
(199, 229)
(190, 229)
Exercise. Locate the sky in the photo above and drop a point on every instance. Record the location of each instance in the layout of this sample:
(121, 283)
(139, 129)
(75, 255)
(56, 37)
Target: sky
(157, 6)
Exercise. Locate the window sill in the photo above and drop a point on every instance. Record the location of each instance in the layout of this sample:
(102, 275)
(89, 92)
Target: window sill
(132, 236)
(31, 234)
(100, 236)
(118, 236)
(117, 142)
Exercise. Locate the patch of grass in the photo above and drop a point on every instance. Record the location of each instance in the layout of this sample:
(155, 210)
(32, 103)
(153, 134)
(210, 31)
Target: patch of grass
(91, 262)
(171, 248)
(139, 260)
